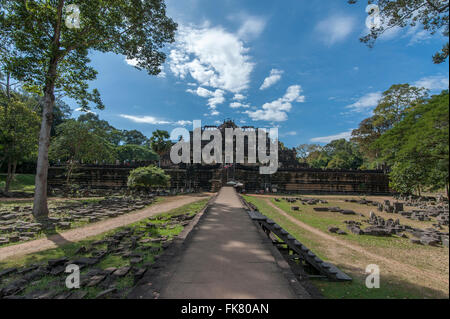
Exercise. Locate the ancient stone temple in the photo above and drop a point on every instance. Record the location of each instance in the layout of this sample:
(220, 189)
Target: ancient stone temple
(292, 176)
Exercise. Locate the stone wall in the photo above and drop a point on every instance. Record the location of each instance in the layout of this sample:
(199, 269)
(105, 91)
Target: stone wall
(211, 178)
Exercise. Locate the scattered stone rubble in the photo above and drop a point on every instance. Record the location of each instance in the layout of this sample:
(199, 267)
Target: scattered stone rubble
(131, 244)
(381, 227)
(335, 209)
(17, 223)
(304, 201)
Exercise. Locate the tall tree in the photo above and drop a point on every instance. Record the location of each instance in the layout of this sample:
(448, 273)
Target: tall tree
(133, 137)
(417, 148)
(52, 53)
(160, 143)
(137, 153)
(365, 135)
(305, 150)
(432, 15)
(101, 128)
(397, 101)
(75, 143)
(19, 131)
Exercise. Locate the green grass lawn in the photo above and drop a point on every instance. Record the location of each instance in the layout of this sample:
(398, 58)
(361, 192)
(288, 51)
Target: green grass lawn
(390, 288)
(20, 183)
(56, 283)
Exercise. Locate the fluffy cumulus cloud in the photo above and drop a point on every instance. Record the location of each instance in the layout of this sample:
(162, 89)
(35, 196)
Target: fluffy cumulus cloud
(214, 58)
(335, 28)
(239, 97)
(211, 56)
(433, 83)
(214, 97)
(277, 110)
(365, 103)
(274, 77)
(328, 139)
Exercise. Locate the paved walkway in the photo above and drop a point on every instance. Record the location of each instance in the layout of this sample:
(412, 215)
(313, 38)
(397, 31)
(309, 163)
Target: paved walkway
(81, 233)
(226, 258)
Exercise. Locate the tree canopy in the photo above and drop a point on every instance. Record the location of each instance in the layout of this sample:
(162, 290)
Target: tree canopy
(431, 15)
(50, 56)
(417, 148)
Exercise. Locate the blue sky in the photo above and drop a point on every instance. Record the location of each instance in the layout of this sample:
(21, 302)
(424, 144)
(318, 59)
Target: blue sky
(297, 65)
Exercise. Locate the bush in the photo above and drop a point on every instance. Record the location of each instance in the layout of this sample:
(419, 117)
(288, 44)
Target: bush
(147, 178)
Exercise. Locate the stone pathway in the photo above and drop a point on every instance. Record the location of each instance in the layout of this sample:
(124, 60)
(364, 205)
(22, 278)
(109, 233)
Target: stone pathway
(227, 258)
(81, 233)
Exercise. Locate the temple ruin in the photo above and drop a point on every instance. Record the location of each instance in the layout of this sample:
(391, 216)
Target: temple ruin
(291, 177)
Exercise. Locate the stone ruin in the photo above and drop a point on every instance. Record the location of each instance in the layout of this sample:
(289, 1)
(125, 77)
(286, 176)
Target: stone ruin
(381, 227)
(291, 177)
(131, 244)
(18, 225)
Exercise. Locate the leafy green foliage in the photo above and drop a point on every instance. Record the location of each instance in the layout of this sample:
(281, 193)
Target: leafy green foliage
(76, 143)
(148, 177)
(137, 153)
(38, 35)
(432, 15)
(50, 58)
(133, 137)
(338, 154)
(159, 141)
(417, 148)
(19, 131)
(396, 102)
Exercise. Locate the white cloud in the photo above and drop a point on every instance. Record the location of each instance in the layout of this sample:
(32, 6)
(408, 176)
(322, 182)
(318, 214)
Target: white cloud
(327, 139)
(214, 97)
(132, 62)
(418, 36)
(87, 111)
(365, 103)
(277, 110)
(335, 28)
(252, 27)
(153, 120)
(433, 83)
(236, 105)
(291, 133)
(144, 119)
(183, 123)
(239, 97)
(274, 77)
(213, 57)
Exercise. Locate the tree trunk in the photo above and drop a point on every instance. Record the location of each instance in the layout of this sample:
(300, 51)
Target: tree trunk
(8, 180)
(11, 172)
(40, 207)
